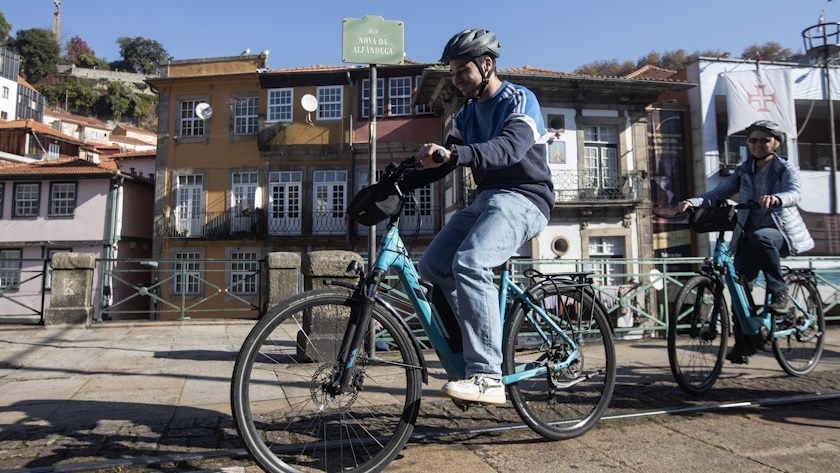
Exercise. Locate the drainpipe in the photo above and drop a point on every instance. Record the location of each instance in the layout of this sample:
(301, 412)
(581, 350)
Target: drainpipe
(349, 231)
(111, 238)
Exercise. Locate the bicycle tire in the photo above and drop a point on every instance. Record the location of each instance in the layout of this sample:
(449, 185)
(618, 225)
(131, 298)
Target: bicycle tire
(696, 349)
(286, 419)
(552, 410)
(799, 353)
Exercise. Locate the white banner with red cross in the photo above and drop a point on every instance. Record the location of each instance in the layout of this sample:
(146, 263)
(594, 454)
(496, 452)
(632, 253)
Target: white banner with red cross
(760, 95)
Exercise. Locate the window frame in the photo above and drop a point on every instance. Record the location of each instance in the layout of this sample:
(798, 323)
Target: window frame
(51, 211)
(9, 274)
(399, 96)
(183, 282)
(278, 107)
(245, 122)
(16, 210)
(287, 213)
(332, 109)
(380, 98)
(189, 121)
(243, 270)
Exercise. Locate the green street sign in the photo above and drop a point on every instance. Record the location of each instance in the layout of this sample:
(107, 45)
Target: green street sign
(372, 40)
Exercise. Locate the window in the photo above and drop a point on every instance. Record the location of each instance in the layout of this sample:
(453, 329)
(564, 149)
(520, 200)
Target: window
(284, 203)
(188, 205)
(330, 194)
(4, 115)
(601, 248)
(329, 103)
(10, 264)
(245, 116)
(5, 92)
(187, 273)
(243, 200)
(62, 199)
(420, 108)
(280, 105)
(380, 97)
(2, 196)
(26, 200)
(244, 272)
(399, 96)
(190, 125)
(600, 158)
(53, 150)
(48, 274)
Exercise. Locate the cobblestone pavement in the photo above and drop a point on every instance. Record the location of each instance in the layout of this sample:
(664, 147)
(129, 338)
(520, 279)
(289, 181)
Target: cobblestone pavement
(110, 397)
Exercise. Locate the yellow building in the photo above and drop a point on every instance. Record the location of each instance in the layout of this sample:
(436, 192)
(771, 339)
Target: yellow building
(252, 161)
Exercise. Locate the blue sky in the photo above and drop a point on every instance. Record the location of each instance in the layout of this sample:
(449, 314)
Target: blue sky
(550, 34)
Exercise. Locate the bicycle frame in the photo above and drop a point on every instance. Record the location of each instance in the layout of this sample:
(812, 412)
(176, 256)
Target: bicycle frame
(392, 254)
(745, 310)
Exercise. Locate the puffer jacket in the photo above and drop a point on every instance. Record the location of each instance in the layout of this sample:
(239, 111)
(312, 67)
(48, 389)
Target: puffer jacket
(783, 183)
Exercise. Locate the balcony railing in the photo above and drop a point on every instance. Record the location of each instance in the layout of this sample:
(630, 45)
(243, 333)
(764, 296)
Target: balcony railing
(604, 185)
(260, 223)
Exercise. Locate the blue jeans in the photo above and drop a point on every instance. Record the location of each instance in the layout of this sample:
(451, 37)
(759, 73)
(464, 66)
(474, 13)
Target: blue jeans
(762, 250)
(460, 262)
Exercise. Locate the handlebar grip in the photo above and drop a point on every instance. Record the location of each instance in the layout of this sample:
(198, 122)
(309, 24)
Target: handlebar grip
(439, 156)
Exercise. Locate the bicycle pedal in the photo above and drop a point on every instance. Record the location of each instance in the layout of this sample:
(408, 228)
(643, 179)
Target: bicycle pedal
(464, 405)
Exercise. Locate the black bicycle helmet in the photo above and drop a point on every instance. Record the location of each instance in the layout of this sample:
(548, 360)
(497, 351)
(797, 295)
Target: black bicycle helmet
(769, 127)
(471, 43)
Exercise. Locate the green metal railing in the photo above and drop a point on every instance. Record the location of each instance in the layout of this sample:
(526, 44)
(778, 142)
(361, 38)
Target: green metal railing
(640, 304)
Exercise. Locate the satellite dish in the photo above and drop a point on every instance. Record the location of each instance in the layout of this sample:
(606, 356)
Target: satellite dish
(204, 110)
(309, 102)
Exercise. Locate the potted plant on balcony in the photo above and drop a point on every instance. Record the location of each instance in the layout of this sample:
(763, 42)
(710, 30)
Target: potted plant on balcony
(246, 211)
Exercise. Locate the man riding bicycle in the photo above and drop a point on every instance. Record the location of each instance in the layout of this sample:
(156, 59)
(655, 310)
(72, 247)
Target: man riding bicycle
(764, 235)
(499, 133)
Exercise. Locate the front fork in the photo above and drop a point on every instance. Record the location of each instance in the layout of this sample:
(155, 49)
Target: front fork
(364, 298)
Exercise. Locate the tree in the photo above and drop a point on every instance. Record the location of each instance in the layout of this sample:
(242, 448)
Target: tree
(770, 51)
(38, 53)
(611, 68)
(77, 47)
(140, 55)
(5, 27)
(119, 98)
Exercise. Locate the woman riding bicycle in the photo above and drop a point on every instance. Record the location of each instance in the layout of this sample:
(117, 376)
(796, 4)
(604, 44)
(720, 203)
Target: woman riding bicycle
(774, 230)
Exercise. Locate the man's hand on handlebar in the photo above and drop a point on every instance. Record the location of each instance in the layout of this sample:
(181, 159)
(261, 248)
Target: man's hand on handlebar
(431, 156)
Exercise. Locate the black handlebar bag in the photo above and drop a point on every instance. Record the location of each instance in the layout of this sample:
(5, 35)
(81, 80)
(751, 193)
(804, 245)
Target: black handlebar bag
(375, 203)
(713, 219)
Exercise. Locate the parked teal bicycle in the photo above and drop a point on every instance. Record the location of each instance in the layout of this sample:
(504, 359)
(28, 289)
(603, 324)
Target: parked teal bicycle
(699, 323)
(349, 401)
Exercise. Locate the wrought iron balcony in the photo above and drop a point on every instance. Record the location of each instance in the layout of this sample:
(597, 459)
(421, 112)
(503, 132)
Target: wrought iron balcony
(599, 186)
(262, 223)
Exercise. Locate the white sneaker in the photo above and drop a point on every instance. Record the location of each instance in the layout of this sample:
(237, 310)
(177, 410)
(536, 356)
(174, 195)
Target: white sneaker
(477, 388)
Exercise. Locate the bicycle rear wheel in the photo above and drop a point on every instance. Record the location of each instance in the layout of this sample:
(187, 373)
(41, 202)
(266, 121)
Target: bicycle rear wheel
(799, 352)
(697, 336)
(282, 406)
(566, 403)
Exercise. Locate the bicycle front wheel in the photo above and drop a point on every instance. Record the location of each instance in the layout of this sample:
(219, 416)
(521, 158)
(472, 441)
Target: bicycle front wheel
(799, 352)
(698, 330)
(566, 403)
(287, 415)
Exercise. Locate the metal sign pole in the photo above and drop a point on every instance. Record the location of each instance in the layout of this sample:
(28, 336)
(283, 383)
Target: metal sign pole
(372, 164)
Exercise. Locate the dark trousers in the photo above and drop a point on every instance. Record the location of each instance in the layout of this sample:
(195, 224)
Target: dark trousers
(762, 250)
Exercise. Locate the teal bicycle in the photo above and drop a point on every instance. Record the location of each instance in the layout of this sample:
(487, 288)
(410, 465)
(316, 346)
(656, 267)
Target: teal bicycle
(349, 402)
(699, 323)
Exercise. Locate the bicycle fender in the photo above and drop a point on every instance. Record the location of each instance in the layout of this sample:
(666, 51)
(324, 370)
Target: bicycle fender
(589, 291)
